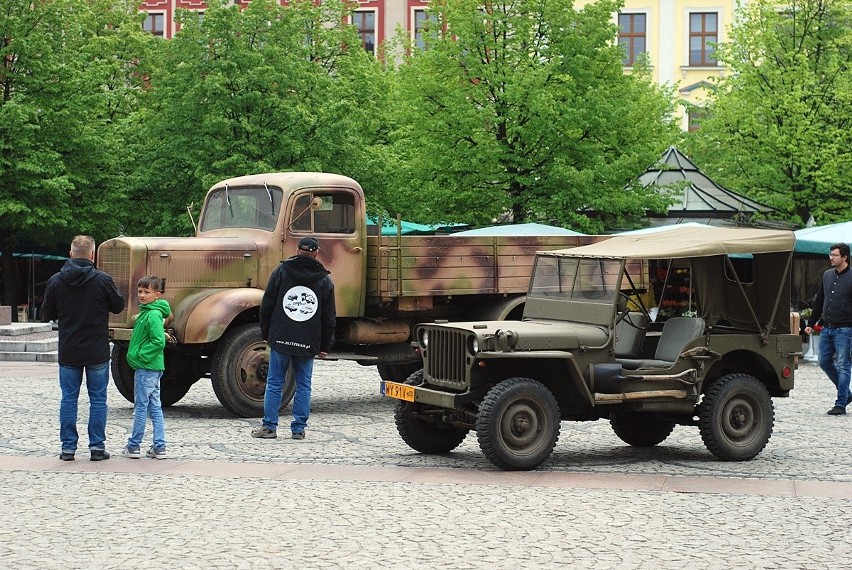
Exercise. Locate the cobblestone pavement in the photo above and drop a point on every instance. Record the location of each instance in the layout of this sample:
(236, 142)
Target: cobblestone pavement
(353, 494)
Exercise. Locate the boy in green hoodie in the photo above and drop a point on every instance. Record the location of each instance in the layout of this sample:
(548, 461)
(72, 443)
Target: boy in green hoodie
(145, 356)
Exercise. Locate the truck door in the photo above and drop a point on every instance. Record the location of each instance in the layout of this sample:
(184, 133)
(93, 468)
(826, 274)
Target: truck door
(336, 218)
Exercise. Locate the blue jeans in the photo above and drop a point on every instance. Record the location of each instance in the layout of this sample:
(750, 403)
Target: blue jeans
(146, 402)
(303, 367)
(835, 346)
(70, 380)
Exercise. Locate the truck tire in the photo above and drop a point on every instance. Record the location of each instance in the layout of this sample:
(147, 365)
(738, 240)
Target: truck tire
(641, 429)
(518, 424)
(736, 417)
(172, 389)
(398, 372)
(422, 435)
(240, 365)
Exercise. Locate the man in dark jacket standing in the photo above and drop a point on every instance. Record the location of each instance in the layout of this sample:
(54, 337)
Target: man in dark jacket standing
(297, 317)
(80, 297)
(833, 306)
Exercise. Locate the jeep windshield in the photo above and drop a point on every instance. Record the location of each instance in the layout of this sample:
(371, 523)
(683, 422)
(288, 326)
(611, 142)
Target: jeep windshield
(242, 207)
(592, 280)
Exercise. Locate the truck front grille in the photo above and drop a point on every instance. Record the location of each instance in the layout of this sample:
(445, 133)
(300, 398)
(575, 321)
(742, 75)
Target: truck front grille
(446, 358)
(115, 261)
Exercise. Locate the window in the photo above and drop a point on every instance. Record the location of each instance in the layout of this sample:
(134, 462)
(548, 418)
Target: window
(365, 22)
(631, 36)
(324, 213)
(155, 24)
(424, 23)
(703, 30)
(252, 207)
(696, 115)
(593, 280)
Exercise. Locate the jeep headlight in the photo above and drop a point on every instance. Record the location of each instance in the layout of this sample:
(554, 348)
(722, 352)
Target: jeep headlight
(473, 345)
(424, 338)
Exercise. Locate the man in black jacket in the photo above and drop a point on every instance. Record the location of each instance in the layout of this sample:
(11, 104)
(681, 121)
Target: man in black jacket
(297, 317)
(80, 297)
(833, 306)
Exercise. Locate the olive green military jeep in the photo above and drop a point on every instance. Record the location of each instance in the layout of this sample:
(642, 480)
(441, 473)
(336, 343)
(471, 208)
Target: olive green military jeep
(588, 349)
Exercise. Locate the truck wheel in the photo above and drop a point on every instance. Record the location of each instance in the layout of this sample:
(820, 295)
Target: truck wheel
(641, 429)
(172, 387)
(240, 365)
(418, 432)
(518, 424)
(398, 372)
(736, 417)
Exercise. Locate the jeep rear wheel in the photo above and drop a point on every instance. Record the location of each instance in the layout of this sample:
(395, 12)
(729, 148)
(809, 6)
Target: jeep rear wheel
(172, 387)
(736, 417)
(420, 425)
(641, 429)
(518, 424)
(240, 366)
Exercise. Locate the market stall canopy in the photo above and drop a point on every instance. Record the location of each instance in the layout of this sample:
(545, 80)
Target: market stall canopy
(818, 239)
(697, 196)
(518, 230)
(682, 242)
(409, 228)
(655, 229)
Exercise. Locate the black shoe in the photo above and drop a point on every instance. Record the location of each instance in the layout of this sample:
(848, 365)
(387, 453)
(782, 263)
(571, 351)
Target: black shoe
(849, 400)
(66, 456)
(99, 454)
(837, 411)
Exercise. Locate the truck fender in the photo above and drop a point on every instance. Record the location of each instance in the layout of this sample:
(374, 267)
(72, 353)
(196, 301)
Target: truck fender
(501, 310)
(208, 320)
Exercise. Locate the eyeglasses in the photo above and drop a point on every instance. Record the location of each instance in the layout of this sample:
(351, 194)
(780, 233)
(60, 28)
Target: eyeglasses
(834, 255)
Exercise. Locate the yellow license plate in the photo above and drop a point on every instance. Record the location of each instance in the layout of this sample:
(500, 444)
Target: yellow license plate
(398, 391)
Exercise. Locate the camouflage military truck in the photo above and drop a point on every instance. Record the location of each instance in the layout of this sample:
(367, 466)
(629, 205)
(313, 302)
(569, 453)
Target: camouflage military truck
(384, 284)
(586, 350)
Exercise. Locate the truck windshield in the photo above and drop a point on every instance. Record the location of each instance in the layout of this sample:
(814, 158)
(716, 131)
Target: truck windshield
(594, 280)
(242, 207)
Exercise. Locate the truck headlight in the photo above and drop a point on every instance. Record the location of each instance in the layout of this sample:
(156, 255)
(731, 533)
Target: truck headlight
(473, 345)
(424, 338)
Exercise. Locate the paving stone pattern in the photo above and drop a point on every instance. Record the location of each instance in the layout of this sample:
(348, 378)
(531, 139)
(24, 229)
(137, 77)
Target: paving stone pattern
(226, 500)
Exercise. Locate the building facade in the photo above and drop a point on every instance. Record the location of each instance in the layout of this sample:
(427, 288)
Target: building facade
(676, 37)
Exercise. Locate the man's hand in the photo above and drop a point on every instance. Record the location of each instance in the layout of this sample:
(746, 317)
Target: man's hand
(322, 354)
(808, 330)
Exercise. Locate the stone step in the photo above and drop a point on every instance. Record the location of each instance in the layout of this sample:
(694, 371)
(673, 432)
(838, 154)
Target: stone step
(51, 356)
(30, 345)
(19, 329)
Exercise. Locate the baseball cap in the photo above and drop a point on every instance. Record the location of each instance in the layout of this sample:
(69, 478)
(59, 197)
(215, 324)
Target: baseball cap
(308, 244)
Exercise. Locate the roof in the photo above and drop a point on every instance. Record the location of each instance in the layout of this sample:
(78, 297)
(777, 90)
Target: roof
(700, 194)
(518, 230)
(817, 240)
(680, 242)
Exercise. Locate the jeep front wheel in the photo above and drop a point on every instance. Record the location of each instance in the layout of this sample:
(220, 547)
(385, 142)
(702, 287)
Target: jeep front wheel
(420, 425)
(240, 366)
(736, 417)
(518, 424)
(641, 429)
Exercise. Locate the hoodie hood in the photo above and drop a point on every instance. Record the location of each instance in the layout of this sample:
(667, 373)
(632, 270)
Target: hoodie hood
(305, 270)
(160, 305)
(77, 272)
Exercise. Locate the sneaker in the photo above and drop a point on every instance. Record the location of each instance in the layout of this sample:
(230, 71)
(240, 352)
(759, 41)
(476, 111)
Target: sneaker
(99, 454)
(264, 432)
(837, 411)
(66, 455)
(132, 452)
(300, 435)
(156, 453)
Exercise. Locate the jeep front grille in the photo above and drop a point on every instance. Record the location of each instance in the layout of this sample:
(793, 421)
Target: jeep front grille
(446, 358)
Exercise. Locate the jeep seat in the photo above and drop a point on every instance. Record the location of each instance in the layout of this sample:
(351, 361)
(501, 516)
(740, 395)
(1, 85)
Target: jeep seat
(677, 333)
(630, 334)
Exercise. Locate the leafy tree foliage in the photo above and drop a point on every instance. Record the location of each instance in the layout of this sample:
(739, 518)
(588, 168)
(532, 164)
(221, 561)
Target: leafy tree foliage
(520, 109)
(261, 89)
(69, 78)
(779, 126)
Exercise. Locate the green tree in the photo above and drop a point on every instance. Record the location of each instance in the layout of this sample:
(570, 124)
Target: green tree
(68, 75)
(520, 109)
(262, 89)
(778, 128)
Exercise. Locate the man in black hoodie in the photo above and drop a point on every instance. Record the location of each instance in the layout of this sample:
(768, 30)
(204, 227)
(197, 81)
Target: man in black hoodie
(80, 298)
(297, 317)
